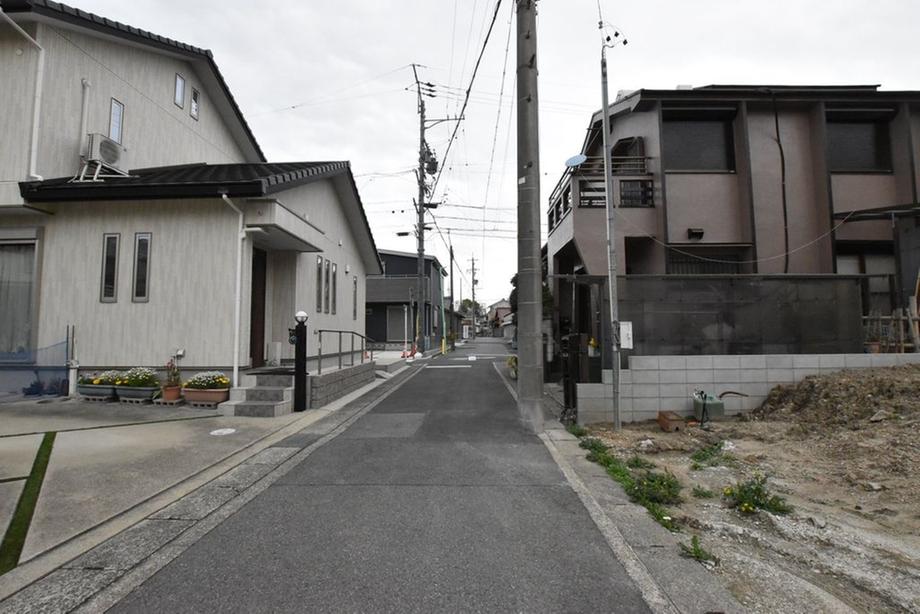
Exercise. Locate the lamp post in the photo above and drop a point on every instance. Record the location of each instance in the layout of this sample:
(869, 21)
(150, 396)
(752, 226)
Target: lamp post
(300, 361)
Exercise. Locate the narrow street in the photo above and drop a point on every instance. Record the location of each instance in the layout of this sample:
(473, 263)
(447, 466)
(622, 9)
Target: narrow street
(437, 499)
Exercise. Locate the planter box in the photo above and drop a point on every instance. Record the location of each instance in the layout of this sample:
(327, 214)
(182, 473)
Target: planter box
(211, 396)
(171, 393)
(136, 392)
(96, 390)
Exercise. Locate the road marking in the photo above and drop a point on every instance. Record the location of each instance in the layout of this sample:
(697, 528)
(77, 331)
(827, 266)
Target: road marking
(220, 432)
(472, 359)
(449, 367)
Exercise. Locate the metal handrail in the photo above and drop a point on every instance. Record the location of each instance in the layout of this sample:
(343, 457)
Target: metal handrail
(365, 341)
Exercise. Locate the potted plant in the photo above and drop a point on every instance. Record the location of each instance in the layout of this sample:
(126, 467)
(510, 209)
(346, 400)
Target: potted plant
(137, 383)
(512, 366)
(172, 387)
(211, 387)
(98, 384)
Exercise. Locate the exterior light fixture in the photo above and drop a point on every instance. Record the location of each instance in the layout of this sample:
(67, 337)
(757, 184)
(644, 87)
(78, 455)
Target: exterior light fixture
(300, 316)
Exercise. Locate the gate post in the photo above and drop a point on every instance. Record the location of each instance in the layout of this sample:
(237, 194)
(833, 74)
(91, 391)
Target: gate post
(300, 362)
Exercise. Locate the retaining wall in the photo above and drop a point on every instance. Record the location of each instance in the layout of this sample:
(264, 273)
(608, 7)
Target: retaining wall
(328, 387)
(656, 383)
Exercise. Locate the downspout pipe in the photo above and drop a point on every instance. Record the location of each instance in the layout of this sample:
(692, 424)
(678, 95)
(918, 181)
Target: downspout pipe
(84, 119)
(36, 95)
(238, 296)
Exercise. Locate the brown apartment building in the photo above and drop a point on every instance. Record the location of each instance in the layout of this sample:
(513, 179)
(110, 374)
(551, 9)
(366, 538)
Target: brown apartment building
(752, 190)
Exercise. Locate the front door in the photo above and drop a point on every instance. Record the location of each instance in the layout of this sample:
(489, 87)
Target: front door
(257, 326)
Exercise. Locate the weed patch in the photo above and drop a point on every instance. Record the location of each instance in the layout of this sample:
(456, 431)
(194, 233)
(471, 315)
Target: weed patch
(577, 430)
(701, 492)
(752, 495)
(637, 462)
(711, 456)
(696, 551)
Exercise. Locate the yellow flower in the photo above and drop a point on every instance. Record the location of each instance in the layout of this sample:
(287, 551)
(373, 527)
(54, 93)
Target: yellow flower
(97, 381)
(727, 491)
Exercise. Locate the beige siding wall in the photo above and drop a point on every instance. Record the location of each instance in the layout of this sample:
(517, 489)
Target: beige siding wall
(855, 191)
(18, 60)
(705, 200)
(192, 277)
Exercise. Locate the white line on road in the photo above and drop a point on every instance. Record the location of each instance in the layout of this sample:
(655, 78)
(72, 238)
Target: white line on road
(449, 367)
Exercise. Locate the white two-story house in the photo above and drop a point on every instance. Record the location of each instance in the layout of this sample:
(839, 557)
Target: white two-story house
(138, 211)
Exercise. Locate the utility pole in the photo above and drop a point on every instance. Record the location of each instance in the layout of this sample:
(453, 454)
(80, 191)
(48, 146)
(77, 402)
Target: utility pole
(420, 207)
(608, 42)
(473, 282)
(452, 323)
(530, 290)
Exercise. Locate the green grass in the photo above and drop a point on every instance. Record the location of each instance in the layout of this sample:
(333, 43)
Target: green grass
(637, 462)
(701, 492)
(577, 430)
(710, 456)
(15, 537)
(752, 495)
(696, 551)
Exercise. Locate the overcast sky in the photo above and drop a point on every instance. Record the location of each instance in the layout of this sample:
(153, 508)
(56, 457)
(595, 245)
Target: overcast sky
(343, 65)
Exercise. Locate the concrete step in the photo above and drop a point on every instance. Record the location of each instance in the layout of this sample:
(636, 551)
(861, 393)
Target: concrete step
(268, 393)
(256, 409)
(274, 380)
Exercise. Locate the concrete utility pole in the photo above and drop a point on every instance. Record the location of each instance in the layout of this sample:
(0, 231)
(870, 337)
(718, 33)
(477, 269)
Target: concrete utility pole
(530, 282)
(611, 232)
(474, 282)
(420, 227)
(452, 324)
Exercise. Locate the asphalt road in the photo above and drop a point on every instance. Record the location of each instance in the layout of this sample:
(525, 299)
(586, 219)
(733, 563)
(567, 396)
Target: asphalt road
(436, 500)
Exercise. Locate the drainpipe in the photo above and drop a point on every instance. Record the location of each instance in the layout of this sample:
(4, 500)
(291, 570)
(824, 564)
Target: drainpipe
(84, 116)
(36, 95)
(238, 296)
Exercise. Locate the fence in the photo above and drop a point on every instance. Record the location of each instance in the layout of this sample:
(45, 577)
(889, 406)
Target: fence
(35, 372)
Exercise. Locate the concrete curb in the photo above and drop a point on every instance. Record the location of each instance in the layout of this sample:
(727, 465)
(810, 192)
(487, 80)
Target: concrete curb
(39, 567)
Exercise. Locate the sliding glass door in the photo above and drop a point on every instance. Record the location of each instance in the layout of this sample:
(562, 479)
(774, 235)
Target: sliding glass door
(17, 278)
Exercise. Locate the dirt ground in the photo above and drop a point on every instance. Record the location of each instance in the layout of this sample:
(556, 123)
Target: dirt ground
(844, 450)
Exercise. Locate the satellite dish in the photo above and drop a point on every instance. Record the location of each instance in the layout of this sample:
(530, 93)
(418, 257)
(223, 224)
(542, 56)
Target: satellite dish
(576, 160)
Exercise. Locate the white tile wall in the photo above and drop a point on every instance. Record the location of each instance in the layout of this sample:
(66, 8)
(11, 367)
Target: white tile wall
(655, 383)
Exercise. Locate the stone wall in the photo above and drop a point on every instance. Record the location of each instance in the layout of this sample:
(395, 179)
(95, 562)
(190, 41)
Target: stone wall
(328, 387)
(656, 383)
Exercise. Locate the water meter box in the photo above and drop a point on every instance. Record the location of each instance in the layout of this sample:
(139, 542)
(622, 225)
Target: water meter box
(714, 408)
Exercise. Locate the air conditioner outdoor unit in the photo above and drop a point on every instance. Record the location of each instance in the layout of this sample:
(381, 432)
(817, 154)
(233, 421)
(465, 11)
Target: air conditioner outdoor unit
(105, 150)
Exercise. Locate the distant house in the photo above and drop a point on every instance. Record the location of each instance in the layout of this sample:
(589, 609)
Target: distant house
(137, 208)
(391, 302)
(496, 314)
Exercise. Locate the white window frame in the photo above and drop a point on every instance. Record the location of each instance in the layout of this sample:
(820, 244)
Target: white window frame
(179, 96)
(117, 104)
(335, 286)
(105, 243)
(135, 297)
(319, 284)
(195, 104)
(326, 283)
(354, 298)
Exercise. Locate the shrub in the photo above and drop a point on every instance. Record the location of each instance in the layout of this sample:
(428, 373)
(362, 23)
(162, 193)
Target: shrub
(637, 462)
(752, 495)
(138, 377)
(657, 488)
(208, 380)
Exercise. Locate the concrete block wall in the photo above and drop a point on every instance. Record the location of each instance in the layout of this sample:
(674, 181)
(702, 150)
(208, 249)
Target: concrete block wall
(656, 383)
(328, 387)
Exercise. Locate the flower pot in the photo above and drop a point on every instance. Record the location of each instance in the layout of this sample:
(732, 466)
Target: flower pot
(206, 395)
(171, 393)
(874, 347)
(136, 392)
(97, 390)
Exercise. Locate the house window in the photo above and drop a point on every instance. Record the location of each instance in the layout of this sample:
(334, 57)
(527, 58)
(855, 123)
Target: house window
(109, 291)
(354, 298)
(116, 120)
(179, 96)
(326, 288)
(196, 101)
(319, 284)
(141, 267)
(17, 280)
(335, 285)
(858, 146)
(698, 144)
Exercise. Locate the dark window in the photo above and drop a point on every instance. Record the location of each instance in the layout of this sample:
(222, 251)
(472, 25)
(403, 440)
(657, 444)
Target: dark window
(688, 261)
(628, 157)
(326, 287)
(354, 298)
(636, 193)
(196, 102)
(335, 286)
(858, 146)
(109, 293)
(141, 267)
(319, 284)
(698, 145)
